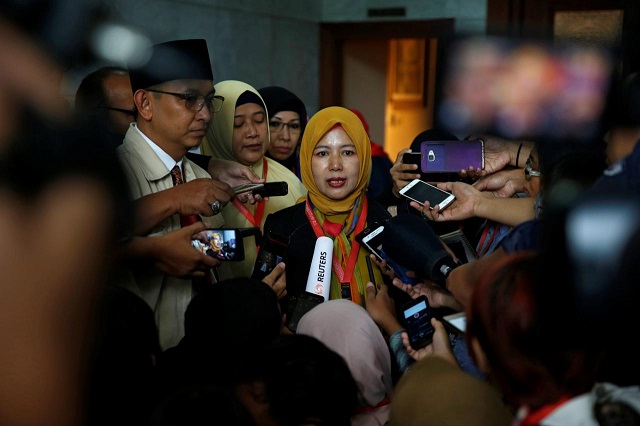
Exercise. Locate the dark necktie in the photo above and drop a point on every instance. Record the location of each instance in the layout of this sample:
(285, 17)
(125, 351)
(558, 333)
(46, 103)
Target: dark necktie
(176, 175)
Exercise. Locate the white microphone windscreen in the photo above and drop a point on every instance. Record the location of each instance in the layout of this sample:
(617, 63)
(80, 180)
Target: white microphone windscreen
(319, 280)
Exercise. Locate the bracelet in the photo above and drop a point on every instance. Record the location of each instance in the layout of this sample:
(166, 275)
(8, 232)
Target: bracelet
(518, 155)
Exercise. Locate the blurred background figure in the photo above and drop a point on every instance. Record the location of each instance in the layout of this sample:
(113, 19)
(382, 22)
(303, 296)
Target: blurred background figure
(105, 95)
(62, 192)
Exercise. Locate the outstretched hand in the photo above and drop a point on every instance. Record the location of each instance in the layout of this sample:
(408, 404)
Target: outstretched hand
(277, 280)
(440, 345)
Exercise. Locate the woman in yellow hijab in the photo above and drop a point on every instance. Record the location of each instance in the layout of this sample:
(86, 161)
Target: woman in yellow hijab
(335, 163)
(240, 132)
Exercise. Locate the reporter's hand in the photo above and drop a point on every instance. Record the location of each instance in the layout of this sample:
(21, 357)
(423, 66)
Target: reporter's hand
(384, 268)
(234, 174)
(504, 183)
(173, 253)
(463, 207)
(440, 346)
(381, 308)
(497, 155)
(277, 280)
(437, 295)
(196, 196)
(402, 173)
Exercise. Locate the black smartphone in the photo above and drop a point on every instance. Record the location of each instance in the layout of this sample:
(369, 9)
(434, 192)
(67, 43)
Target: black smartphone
(420, 191)
(272, 249)
(246, 187)
(272, 189)
(304, 302)
(222, 244)
(412, 158)
(417, 319)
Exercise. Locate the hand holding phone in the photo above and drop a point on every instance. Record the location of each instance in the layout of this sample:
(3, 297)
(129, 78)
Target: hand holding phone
(417, 319)
(420, 192)
(272, 189)
(246, 187)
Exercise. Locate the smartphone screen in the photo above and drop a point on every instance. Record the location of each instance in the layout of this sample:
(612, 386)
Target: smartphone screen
(222, 244)
(372, 240)
(418, 322)
(272, 250)
(420, 191)
(457, 322)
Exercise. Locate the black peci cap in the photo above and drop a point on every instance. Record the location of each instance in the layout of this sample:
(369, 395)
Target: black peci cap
(173, 60)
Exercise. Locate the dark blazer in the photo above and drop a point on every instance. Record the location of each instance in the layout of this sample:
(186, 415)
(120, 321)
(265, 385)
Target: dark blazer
(293, 222)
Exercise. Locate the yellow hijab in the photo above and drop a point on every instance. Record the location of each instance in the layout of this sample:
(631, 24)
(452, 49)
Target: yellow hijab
(347, 210)
(321, 122)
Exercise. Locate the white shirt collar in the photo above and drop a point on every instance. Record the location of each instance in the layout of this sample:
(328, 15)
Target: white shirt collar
(166, 158)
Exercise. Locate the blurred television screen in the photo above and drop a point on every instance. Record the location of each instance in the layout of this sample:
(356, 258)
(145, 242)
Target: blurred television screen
(522, 89)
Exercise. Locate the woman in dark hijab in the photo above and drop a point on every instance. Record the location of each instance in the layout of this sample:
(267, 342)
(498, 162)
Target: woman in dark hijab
(287, 120)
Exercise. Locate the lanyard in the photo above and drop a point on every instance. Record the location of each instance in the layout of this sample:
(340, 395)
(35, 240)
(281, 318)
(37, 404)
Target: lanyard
(535, 417)
(344, 278)
(257, 219)
(482, 249)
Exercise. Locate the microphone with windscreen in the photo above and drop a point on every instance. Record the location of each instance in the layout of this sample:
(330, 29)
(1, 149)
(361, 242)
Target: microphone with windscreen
(319, 279)
(411, 242)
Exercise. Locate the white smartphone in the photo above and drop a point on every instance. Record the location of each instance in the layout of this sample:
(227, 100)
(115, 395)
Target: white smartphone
(371, 238)
(421, 191)
(456, 323)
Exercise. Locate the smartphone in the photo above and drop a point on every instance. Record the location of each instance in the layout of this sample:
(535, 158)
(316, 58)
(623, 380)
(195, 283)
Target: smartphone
(222, 244)
(272, 189)
(272, 250)
(416, 158)
(421, 191)
(304, 302)
(456, 323)
(371, 239)
(418, 322)
(412, 158)
(451, 156)
(246, 187)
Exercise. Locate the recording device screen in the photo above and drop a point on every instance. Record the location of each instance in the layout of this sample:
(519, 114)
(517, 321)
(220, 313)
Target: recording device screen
(521, 89)
(418, 321)
(222, 244)
(271, 253)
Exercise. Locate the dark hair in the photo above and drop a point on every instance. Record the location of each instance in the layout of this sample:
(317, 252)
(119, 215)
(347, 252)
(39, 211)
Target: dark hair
(200, 405)
(91, 94)
(226, 323)
(304, 379)
(507, 316)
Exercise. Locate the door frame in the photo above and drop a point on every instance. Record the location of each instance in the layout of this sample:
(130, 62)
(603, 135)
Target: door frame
(333, 37)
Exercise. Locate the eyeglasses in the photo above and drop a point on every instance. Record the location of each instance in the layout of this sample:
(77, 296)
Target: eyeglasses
(528, 170)
(131, 112)
(196, 102)
(278, 126)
